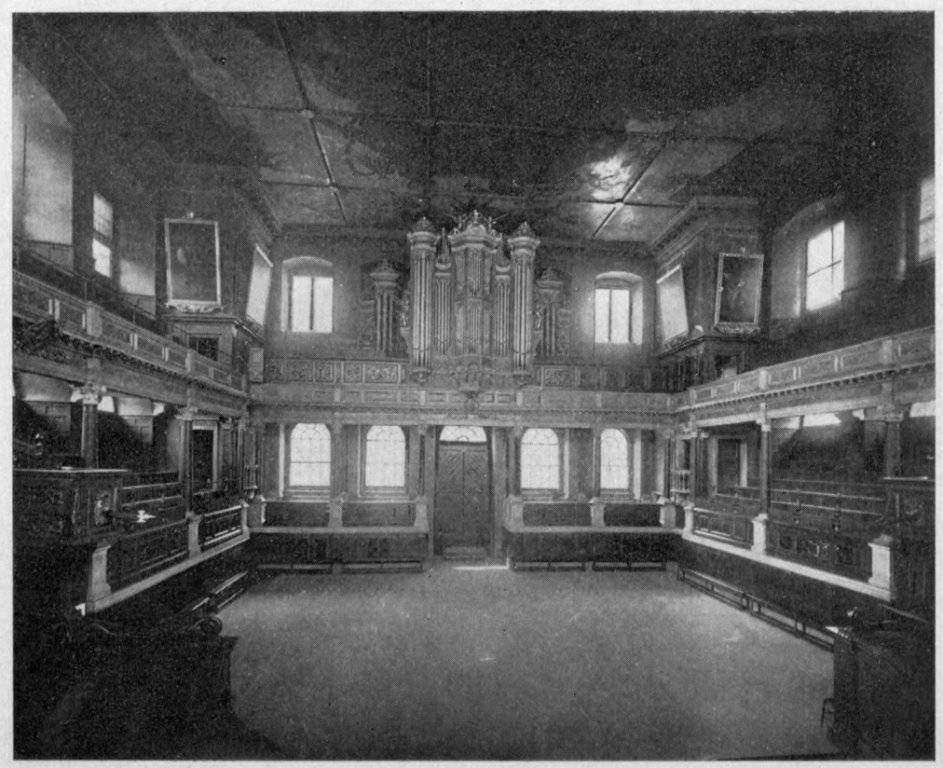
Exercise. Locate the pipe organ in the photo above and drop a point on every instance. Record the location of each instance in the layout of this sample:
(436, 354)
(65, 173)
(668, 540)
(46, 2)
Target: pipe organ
(468, 298)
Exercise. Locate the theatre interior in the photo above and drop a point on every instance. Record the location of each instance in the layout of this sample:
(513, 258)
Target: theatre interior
(505, 386)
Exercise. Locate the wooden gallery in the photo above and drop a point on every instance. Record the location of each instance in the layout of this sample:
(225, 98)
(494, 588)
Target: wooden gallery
(626, 317)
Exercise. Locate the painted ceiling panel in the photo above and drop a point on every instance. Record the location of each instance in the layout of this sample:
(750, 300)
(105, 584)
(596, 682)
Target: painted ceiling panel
(305, 205)
(234, 63)
(365, 153)
(380, 209)
(372, 63)
(636, 223)
(287, 142)
(682, 162)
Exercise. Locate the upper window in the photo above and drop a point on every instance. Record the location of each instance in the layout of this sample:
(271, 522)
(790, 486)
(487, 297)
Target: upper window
(613, 315)
(309, 456)
(385, 462)
(613, 460)
(926, 245)
(540, 460)
(102, 234)
(311, 303)
(825, 273)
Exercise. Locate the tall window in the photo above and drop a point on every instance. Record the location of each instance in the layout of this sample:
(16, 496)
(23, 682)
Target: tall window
(540, 460)
(613, 460)
(825, 272)
(102, 234)
(385, 461)
(613, 315)
(925, 227)
(311, 303)
(309, 456)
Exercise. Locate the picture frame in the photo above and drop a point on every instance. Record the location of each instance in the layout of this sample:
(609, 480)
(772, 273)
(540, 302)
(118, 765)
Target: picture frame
(193, 273)
(739, 286)
(672, 305)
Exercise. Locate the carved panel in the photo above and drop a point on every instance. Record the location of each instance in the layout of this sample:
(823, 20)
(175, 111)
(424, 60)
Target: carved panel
(381, 373)
(324, 372)
(353, 373)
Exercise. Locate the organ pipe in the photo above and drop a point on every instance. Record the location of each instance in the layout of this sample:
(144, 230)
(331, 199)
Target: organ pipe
(523, 245)
(422, 244)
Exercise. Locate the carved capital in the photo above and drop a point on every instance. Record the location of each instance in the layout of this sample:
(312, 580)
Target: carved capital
(91, 393)
(187, 413)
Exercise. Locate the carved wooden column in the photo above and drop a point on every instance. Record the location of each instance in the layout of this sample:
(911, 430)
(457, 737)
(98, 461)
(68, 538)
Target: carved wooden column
(763, 468)
(240, 458)
(514, 459)
(523, 245)
(91, 395)
(474, 243)
(338, 459)
(892, 415)
(185, 469)
(428, 436)
(499, 448)
(422, 242)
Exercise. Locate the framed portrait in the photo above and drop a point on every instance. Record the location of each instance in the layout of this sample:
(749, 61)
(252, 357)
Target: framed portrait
(672, 308)
(192, 262)
(739, 282)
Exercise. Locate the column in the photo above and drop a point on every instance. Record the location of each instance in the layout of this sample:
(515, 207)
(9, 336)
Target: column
(91, 395)
(427, 435)
(514, 460)
(227, 457)
(595, 453)
(892, 415)
(338, 459)
(240, 457)
(523, 245)
(763, 467)
(412, 461)
(422, 242)
(499, 449)
(185, 467)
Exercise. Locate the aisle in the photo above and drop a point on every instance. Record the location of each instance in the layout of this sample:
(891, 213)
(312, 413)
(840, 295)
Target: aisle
(492, 664)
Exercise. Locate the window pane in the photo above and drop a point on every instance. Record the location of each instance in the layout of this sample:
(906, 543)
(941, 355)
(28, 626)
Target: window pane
(101, 253)
(926, 198)
(819, 252)
(462, 435)
(619, 317)
(819, 289)
(602, 314)
(309, 452)
(103, 216)
(385, 462)
(838, 241)
(613, 460)
(301, 303)
(540, 459)
(926, 231)
(323, 304)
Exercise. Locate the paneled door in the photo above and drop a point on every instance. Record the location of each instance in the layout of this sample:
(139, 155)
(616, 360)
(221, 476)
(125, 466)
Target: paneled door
(462, 498)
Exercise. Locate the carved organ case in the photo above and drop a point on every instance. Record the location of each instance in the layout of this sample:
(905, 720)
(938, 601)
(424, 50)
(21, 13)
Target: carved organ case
(471, 297)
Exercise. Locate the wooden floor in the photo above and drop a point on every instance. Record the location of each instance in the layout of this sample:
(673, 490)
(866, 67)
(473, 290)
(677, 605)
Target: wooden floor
(483, 663)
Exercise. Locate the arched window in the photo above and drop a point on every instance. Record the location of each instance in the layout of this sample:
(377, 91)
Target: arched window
(613, 460)
(309, 456)
(617, 309)
(385, 458)
(307, 295)
(540, 460)
(462, 435)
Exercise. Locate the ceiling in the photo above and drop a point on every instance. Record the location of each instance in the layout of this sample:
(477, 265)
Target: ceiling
(590, 126)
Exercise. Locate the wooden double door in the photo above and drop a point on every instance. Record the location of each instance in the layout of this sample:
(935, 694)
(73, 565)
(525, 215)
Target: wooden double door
(463, 497)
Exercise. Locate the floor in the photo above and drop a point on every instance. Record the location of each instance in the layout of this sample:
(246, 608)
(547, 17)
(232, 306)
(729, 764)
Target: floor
(484, 663)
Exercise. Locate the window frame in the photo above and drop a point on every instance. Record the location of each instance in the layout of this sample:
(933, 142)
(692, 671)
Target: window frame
(369, 490)
(300, 489)
(836, 296)
(105, 240)
(536, 490)
(313, 268)
(611, 491)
